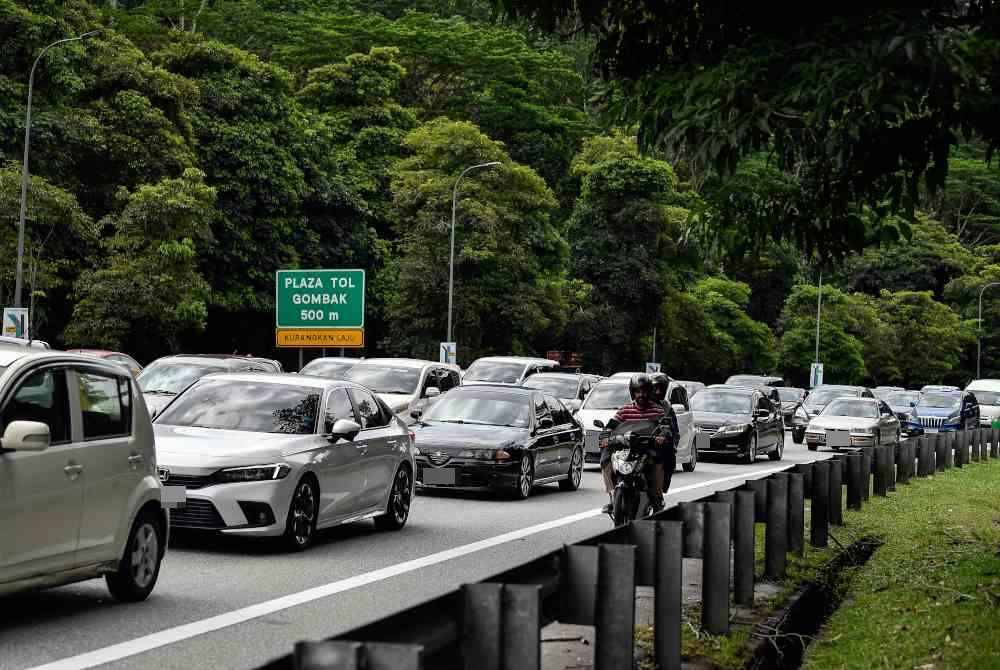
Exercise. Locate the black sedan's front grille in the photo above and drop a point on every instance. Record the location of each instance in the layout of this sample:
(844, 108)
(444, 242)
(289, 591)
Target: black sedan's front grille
(189, 481)
(438, 457)
(197, 513)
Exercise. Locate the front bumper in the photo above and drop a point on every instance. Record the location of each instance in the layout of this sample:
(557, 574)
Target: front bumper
(217, 508)
(470, 475)
(856, 440)
(732, 444)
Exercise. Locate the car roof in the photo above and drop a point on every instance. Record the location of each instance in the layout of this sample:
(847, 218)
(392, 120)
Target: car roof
(733, 387)
(238, 357)
(556, 375)
(221, 362)
(523, 390)
(9, 356)
(95, 352)
(789, 388)
(281, 378)
(405, 362)
(517, 359)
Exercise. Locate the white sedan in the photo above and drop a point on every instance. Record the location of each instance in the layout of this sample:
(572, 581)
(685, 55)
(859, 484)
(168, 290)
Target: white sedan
(279, 455)
(853, 422)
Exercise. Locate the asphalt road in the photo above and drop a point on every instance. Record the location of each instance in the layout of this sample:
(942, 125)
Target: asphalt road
(225, 603)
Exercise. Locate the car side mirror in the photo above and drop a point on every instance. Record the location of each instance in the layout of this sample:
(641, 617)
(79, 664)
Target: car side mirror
(26, 436)
(432, 392)
(416, 414)
(762, 414)
(344, 429)
(598, 423)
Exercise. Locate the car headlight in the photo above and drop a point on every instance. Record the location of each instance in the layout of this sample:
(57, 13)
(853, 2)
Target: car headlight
(620, 462)
(734, 429)
(863, 431)
(253, 473)
(477, 454)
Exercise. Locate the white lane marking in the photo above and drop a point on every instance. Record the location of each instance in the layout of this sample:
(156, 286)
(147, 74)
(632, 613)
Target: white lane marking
(183, 632)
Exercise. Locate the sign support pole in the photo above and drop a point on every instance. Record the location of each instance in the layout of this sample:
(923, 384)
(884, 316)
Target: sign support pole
(300, 359)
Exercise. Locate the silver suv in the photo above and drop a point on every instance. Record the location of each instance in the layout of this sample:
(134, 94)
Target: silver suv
(79, 492)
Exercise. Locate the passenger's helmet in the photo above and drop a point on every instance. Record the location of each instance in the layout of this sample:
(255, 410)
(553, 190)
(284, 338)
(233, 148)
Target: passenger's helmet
(659, 381)
(640, 381)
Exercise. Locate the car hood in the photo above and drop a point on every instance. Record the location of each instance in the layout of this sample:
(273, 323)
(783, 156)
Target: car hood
(718, 418)
(842, 422)
(189, 447)
(586, 417)
(936, 411)
(466, 436)
(989, 411)
(156, 401)
(902, 409)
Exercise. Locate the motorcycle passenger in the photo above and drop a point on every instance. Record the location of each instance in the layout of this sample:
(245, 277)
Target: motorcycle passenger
(665, 469)
(642, 408)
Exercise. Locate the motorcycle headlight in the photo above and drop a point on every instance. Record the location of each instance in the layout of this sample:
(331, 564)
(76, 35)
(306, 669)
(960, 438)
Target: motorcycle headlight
(620, 462)
(734, 429)
(253, 473)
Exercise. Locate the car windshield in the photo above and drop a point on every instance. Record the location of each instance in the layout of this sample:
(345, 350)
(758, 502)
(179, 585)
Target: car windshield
(608, 396)
(172, 378)
(248, 406)
(488, 409)
(823, 396)
(745, 380)
(982, 397)
(940, 401)
(494, 371)
(855, 407)
(329, 368)
(385, 378)
(721, 402)
(901, 399)
(789, 394)
(560, 387)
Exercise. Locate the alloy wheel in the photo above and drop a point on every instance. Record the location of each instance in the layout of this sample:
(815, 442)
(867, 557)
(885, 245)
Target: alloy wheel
(145, 553)
(401, 492)
(576, 469)
(303, 514)
(525, 478)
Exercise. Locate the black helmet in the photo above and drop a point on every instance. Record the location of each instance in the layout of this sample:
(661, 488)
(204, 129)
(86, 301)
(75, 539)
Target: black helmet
(640, 381)
(658, 379)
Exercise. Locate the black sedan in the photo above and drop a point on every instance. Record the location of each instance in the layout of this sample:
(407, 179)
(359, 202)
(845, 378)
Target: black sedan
(493, 437)
(791, 399)
(737, 421)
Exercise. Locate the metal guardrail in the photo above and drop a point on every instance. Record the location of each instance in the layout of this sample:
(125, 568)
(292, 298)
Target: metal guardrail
(496, 624)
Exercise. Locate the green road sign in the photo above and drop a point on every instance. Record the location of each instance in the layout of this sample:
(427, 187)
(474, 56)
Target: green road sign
(319, 298)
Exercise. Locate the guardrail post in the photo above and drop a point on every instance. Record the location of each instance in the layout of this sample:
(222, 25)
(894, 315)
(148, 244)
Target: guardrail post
(881, 487)
(819, 512)
(776, 531)
(759, 488)
(482, 627)
(922, 457)
(715, 569)
(960, 448)
(950, 440)
(667, 604)
(905, 456)
(614, 611)
(994, 446)
(836, 501)
(974, 447)
(502, 626)
(979, 444)
(805, 469)
(728, 497)
(327, 655)
(693, 516)
(941, 452)
(867, 469)
(744, 548)
(854, 480)
(578, 586)
(796, 513)
(890, 466)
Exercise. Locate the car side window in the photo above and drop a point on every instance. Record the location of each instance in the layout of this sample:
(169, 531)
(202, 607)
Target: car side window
(369, 412)
(339, 407)
(42, 397)
(444, 380)
(764, 403)
(106, 403)
(454, 379)
(560, 416)
(541, 408)
(678, 396)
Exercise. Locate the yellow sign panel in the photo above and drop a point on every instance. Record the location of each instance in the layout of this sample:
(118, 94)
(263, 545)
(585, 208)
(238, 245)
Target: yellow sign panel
(320, 337)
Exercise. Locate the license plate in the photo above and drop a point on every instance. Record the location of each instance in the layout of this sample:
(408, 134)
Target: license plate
(702, 440)
(591, 441)
(173, 497)
(838, 438)
(930, 430)
(439, 476)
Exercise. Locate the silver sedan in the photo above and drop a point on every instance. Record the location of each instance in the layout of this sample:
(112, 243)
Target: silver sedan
(278, 455)
(853, 422)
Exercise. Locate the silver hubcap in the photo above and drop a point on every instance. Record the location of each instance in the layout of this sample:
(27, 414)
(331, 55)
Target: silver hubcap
(303, 513)
(525, 480)
(576, 469)
(753, 448)
(145, 551)
(401, 497)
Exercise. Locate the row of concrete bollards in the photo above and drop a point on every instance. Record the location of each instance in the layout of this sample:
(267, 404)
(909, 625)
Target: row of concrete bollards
(596, 580)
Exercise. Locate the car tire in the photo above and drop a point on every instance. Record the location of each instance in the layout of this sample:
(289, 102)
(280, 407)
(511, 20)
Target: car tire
(779, 449)
(751, 456)
(693, 463)
(798, 436)
(139, 567)
(572, 482)
(397, 510)
(525, 478)
(303, 510)
(813, 447)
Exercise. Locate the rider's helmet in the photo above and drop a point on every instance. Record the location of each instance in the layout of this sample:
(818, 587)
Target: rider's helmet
(660, 384)
(640, 381)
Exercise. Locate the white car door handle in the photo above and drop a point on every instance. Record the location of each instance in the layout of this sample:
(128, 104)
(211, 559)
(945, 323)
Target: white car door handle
(135, 459)
(73, 470)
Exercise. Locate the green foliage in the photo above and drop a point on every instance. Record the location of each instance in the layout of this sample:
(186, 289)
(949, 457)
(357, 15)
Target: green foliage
(969, 204)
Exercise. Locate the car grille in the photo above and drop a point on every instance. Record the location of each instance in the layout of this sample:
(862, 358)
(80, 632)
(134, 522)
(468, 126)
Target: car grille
(189, 481)
(438, 457)
(708, 427)
(197, 513)
(931, 421)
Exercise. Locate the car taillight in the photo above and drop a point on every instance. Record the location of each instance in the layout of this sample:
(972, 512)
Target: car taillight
(413, 436)
(502, 455)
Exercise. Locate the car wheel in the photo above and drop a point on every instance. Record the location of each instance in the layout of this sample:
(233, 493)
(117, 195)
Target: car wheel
(572, 482)
(139, 568)
(779, 449)
(525, 478)
(397, 510)
(300, 526)
(691, 464)
(813, 447)
(751, 456)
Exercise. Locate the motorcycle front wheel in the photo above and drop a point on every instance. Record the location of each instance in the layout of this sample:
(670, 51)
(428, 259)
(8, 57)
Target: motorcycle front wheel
(622, 506)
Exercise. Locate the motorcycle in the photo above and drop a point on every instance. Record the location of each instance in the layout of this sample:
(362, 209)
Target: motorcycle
(630, 443)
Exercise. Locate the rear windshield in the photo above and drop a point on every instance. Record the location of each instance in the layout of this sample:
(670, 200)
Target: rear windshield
(494, 371)
(560, 387)
(721, 402)
(172, 378)
(823, 396)
(608, 396)
(902, 399)
(331, 369)
(789, 394)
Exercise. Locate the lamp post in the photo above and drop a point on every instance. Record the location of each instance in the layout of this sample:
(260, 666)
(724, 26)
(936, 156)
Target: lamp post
(454, 208)
(979, 326)
(18, 282)
(819, 308)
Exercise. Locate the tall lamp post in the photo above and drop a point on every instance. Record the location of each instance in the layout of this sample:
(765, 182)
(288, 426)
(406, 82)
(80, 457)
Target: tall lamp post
(18, 281)
(454, 208)
(979, 327)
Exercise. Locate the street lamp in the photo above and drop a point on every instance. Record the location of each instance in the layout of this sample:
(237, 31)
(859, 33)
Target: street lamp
(451, 263)
(24, 171)
(979, 326)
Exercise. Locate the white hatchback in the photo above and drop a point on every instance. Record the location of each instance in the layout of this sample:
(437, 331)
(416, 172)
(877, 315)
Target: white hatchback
(79, 493)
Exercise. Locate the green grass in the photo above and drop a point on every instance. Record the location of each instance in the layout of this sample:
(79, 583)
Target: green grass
(930, 596)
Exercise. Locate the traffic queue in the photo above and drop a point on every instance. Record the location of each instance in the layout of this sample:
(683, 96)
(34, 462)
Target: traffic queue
(235, 445)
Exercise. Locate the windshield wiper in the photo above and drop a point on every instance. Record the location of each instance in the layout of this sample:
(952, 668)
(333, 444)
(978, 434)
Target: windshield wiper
(161, 392)
(450, 420)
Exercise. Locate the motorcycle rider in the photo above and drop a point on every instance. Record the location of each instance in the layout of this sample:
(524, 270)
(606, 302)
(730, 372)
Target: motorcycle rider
(665, 470)
(643, 407)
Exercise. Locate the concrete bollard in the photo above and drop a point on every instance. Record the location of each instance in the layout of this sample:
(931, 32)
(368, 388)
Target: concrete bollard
(974, 447)
(614, 611)
(836, 501)
(994, 446)
(960, 448)
(805, 469)
(905, 463)
(667, 615)
(819, 513)
(881, 487)
(759, 488)
(855, 480)
(892, 456)
(743, 549)
(867, 468)
(776, 531)
(796, 513)
(715, 569)
(922, 456)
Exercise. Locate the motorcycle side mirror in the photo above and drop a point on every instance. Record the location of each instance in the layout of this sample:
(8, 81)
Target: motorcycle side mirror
(598, 423)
